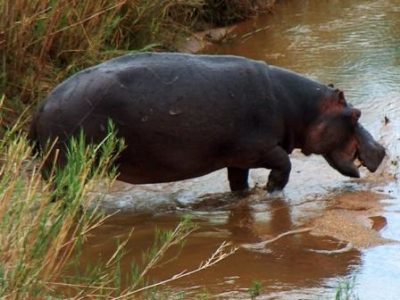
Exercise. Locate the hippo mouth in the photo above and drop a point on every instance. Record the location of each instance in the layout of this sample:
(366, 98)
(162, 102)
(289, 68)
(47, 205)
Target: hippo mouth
(346, 165)
(362, 148)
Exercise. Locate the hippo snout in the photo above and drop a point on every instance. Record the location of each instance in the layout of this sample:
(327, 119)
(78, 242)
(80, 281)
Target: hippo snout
(370, 152)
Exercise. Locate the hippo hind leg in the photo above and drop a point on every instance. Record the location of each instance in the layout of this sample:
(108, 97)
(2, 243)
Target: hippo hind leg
(238, 179)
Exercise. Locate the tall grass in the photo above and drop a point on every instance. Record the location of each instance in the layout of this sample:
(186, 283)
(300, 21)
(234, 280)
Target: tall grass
(44, 41)
(41, 240)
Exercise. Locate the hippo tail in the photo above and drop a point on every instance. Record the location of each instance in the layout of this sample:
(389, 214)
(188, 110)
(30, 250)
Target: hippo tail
(32, 137)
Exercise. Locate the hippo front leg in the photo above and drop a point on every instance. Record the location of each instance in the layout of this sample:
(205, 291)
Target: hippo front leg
(278, 161)
(275, 159)
(238, 179)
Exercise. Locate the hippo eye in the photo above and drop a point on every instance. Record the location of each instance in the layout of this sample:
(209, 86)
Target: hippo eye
(352, 115)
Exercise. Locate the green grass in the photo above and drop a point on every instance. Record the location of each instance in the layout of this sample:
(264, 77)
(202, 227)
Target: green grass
(255, 289)
(345, 290)
(41, 240)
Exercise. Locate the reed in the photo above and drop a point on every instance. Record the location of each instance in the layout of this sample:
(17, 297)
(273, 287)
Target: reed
(41, 240)
(44, 41)
(38, 238)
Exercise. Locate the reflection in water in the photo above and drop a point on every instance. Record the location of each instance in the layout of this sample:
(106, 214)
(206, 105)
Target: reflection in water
(281, 216)
(285, 267)
(356, 46)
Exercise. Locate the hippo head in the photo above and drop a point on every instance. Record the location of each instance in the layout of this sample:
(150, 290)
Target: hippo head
(340, 138)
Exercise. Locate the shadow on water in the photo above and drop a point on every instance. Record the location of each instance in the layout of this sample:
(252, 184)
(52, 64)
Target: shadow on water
(355, 45)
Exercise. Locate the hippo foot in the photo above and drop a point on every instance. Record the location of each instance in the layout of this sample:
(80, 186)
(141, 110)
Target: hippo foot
(272, 187)
(242, 193)
(277, 180)
(276, 195)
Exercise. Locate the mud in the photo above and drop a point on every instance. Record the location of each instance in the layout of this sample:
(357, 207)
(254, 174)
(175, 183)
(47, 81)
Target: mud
(351, 219)
(204, 39)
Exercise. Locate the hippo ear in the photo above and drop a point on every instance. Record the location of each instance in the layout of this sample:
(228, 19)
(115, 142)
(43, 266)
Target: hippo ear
(341, 98)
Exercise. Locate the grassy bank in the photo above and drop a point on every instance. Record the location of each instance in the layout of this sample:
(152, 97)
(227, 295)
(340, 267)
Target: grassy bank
(44, 41)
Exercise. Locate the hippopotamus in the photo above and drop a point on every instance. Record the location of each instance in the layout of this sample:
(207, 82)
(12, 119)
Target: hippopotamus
(183, 116)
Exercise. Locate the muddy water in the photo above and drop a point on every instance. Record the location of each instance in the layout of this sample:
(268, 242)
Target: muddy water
(355, 224)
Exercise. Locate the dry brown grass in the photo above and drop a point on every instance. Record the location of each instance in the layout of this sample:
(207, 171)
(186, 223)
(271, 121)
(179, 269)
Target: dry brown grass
(44, 41)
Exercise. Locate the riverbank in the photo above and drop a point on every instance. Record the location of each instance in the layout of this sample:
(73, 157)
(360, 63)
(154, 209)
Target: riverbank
(42, 42)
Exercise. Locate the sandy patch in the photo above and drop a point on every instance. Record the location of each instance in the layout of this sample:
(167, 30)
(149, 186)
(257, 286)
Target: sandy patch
(201, 40)
(354, 217)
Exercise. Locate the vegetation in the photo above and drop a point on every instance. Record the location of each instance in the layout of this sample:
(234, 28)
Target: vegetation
(345, 290)
(255, 289)
(42, 239)
(44, 41)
